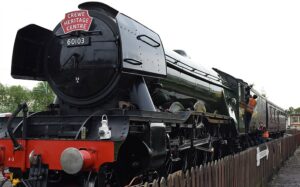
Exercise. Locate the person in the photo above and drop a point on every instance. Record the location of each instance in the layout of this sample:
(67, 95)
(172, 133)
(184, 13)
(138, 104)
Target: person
(260, 130)
(249, 111)
(263, 133)
(247, 92)
(266, 134)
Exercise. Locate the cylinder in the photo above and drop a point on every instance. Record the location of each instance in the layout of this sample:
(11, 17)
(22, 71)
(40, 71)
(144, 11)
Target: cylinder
(73, 160)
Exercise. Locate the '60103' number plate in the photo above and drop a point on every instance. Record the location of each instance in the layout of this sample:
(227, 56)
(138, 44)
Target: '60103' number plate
(77, 41)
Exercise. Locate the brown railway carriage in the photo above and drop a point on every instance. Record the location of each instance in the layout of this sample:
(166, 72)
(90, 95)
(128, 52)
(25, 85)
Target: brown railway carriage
(268, 115)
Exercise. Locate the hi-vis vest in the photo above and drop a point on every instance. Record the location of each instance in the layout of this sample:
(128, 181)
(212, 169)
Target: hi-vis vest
(266, 134)
(251, 105)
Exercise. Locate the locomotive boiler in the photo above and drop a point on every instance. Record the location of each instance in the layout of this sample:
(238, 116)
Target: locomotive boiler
(125, 108)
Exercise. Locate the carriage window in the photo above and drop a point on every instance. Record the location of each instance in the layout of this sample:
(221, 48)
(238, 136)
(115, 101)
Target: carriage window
(270, 114)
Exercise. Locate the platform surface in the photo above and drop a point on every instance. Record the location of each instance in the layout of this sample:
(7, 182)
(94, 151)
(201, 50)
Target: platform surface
(289, 173)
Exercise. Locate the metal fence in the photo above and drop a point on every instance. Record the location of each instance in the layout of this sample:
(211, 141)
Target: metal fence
(235, 170)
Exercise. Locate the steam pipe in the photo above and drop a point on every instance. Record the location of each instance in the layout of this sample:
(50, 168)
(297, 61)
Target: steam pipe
(17, 145)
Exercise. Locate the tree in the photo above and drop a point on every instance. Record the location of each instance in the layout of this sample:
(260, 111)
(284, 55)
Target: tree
(11, 96)
(37, 99)
(297, 110)
(291, 110)
(41, 97)
(2, 97)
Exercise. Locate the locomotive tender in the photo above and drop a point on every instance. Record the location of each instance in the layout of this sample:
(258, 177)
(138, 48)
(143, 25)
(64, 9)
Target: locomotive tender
(125, 107)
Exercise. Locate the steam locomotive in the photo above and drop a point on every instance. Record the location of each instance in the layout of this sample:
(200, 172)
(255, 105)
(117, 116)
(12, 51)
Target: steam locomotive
(125, 106)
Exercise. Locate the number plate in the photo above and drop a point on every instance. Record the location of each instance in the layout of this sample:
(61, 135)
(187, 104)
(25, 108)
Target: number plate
(77, 41)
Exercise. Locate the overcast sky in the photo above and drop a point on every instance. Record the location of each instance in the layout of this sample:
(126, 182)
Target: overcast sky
(257, 41)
